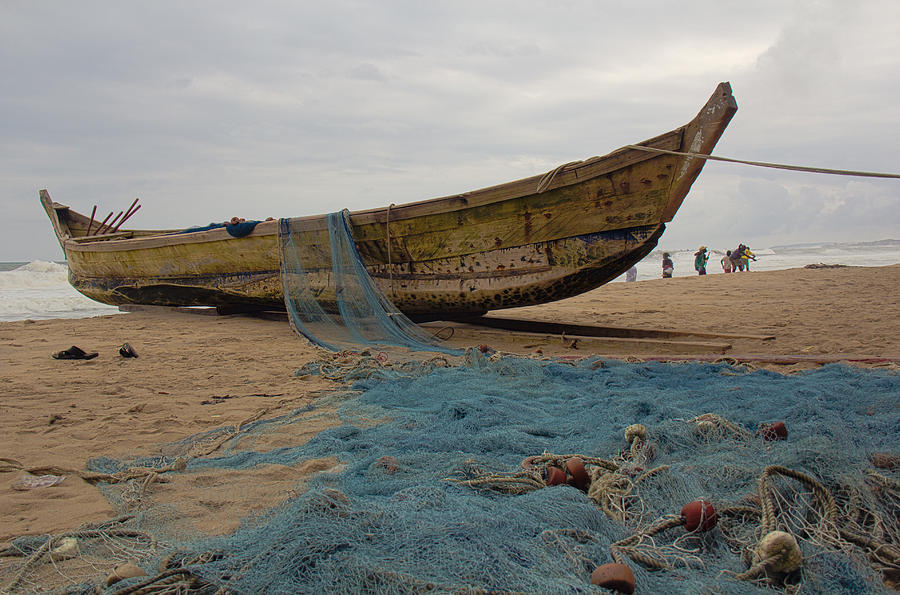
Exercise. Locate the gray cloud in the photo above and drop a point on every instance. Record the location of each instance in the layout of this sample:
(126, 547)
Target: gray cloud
(206, 110)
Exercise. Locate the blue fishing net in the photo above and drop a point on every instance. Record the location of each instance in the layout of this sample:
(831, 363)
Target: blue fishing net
(400, 517)
(330, 297)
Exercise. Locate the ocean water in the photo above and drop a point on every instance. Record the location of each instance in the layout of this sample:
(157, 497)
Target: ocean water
(40, 289)
(866, 254)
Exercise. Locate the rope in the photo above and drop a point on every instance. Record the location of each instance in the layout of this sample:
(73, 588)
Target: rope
(519, 483)
(159, 578)
(609, 491)
(54, 540)
(721, 424)
(821, 495)
(629, 545)
(548, 177)
(757, 570)
(815, 170)
(94, 478)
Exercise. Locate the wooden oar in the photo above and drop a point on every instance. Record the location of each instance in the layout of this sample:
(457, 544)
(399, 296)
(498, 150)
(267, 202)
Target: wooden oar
(91, 223)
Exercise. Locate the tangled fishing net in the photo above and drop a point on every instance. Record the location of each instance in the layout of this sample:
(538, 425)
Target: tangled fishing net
(497, 474)
(508, 474)
(330, 297)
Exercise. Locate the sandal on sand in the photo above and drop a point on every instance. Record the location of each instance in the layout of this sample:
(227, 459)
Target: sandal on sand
(127, 350)
(74, 352)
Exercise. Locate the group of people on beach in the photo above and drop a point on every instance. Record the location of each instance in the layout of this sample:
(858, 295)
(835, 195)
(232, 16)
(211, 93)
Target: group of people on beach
(733, 261)
(737, 259)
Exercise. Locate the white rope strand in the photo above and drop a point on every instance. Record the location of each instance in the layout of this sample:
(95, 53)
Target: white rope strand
(815, 170)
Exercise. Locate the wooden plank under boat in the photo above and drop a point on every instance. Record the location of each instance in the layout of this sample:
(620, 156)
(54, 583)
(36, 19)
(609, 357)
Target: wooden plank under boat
(526, 242)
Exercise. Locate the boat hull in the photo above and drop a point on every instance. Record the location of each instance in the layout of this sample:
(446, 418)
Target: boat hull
(547, 271)
(521, 243)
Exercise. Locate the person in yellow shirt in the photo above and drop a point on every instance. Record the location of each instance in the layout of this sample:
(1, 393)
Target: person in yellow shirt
(747, 256)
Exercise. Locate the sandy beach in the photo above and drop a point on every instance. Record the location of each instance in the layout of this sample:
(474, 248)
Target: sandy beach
(197, 373)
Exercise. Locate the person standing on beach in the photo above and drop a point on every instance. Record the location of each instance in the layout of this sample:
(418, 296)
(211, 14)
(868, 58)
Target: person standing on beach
(747, 256)
(737, 260)
(726, 262)
(667, 266)
(701, 257)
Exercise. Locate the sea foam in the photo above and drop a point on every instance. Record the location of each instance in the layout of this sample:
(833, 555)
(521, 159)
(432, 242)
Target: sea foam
(40, 290)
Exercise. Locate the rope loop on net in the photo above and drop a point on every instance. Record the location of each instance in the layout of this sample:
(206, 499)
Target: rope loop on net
(820, 495)
(630, 545)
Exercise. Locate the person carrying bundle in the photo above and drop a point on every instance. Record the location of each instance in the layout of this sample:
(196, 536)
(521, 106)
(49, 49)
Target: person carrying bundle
(701, 257)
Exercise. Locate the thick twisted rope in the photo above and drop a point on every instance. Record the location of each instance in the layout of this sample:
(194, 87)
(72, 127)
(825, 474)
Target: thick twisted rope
(629, 546)
(820, 495)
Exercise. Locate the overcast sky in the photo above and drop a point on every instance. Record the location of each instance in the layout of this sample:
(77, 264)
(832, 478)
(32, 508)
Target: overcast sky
(206, 110)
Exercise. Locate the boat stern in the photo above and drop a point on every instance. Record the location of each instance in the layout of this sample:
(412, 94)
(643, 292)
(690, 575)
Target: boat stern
(60, 228)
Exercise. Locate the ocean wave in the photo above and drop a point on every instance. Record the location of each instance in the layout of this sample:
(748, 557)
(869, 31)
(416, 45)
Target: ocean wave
(38, 274)
(28, 303)
(40, 290)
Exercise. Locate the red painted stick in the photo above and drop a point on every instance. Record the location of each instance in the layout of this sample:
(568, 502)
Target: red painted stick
(93, 212)
(104, 221)
(111, 223)
(128, 214)
(126, 217)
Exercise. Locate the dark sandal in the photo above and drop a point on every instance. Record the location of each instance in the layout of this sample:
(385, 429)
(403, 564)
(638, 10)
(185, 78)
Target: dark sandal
(127, 350)
(74, 352)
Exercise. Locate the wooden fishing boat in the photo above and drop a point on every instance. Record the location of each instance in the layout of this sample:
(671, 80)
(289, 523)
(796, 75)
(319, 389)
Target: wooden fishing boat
(530, 241)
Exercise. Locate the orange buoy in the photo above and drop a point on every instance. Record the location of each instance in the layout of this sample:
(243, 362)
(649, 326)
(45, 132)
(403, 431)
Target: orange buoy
(579, 475)
(555, 476)
(614, 576)
(699, 514)
(774, 431)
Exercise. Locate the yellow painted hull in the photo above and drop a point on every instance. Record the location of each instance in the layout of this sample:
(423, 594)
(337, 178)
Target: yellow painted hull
(525, 242)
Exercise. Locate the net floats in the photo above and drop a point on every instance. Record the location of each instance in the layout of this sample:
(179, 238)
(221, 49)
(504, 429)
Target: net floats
(578, 475)
(555, 476)
(123, 571)
(67, 548)
(773, 431)
(635, 431)
(614, 576)
(778, 552)
(699, 515)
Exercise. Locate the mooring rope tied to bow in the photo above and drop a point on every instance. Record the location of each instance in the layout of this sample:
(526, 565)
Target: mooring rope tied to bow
(814, 170)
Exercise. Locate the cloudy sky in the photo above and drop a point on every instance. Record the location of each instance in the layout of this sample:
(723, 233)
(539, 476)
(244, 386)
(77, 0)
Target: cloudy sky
(207, 109)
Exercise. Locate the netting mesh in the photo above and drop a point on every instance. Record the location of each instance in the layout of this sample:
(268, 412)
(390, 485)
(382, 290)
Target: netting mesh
(330, 297)
(443, 483)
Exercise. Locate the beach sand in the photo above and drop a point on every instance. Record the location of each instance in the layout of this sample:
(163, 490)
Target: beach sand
(197, 373)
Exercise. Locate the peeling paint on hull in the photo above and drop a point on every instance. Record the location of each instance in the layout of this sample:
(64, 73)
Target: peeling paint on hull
(547, 272)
